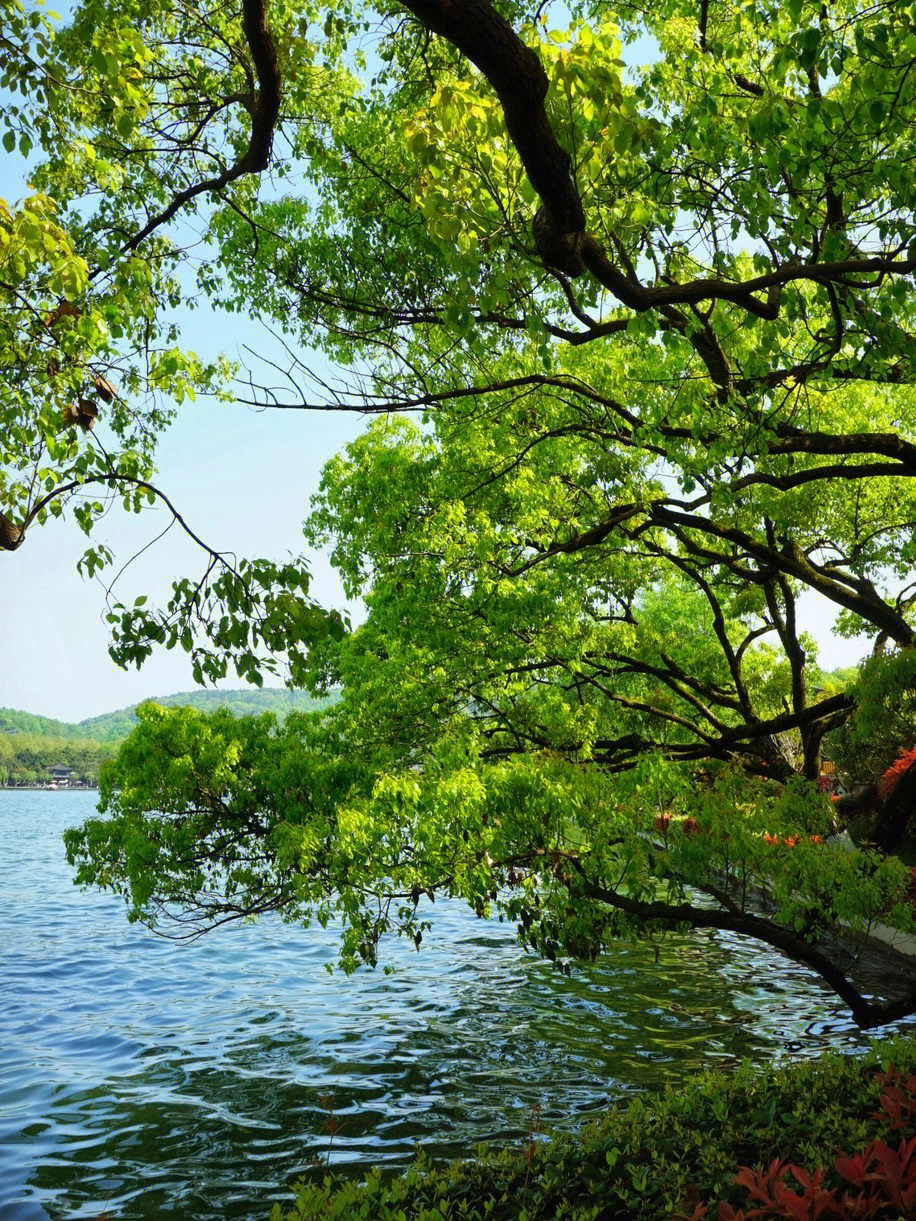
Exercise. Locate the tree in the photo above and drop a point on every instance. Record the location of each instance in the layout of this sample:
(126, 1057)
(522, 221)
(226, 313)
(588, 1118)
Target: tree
(760, 442)
(655, 326)
(138, 112)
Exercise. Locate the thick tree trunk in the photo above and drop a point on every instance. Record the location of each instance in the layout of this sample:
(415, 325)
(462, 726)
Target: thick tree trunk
(11, 535)
(894, 815)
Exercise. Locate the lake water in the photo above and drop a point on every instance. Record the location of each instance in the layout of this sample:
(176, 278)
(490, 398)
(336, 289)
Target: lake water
(153, 1080)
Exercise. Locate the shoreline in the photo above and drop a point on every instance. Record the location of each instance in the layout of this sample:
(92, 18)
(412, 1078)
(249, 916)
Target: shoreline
(49, 788)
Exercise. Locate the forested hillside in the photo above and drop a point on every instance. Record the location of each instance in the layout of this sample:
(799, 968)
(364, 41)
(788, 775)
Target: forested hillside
(31, 744)
(114, 726)
(26, 757)
(13, 721)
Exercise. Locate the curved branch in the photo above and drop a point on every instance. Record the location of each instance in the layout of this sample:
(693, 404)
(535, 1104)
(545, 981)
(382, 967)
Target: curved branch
(517, 76)
(845, 591)
(865, 1013)
(116, 479)
(730, 742)
(264, 108)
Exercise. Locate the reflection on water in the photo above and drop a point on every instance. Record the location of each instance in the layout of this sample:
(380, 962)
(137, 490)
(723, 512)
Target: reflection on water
(155, 1080)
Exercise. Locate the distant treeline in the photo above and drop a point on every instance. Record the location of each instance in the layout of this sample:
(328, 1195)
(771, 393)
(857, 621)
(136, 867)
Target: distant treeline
(26, 757)
(30, 745)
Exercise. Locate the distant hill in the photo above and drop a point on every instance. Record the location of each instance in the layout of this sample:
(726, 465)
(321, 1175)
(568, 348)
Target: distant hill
(114, 726)
(12, 721)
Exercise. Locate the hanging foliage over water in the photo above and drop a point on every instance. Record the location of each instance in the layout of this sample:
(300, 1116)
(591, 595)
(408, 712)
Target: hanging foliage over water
(633, 302)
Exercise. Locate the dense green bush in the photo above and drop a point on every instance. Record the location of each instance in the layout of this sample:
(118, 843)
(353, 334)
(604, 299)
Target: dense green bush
(644, 1160)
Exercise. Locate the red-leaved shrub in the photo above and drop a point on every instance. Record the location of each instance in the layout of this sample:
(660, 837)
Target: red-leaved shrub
(878, 1184)
(891, 777)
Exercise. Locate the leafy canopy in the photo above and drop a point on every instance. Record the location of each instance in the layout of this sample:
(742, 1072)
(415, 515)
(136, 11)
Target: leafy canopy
(640, 343)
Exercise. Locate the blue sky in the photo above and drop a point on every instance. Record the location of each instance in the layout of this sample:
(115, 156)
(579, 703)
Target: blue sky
(242, 480)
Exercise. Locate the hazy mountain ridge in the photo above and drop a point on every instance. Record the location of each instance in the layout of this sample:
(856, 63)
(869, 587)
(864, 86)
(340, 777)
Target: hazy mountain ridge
(113, 726)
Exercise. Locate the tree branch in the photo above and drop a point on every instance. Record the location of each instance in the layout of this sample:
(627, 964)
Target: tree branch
(264, 108)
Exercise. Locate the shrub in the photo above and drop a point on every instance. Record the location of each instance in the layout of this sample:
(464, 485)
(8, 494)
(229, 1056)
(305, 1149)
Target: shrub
(878, 1184)
(892, 776)
(645, 1160)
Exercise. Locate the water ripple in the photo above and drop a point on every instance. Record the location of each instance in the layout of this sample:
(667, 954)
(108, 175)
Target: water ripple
(149, 1080)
